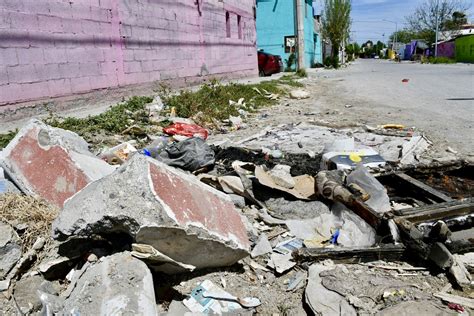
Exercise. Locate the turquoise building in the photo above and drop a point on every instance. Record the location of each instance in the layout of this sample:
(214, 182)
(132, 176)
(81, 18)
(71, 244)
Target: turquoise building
(276, 30)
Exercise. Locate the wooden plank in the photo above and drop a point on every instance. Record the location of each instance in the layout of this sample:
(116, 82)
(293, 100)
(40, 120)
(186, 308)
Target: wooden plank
(421, 188)
(369, 215)
(429, 213)
(352, 254)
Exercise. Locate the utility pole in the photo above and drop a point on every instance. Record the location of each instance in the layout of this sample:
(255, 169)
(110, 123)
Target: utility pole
(396, 30)
(437, 28)
(299, 4)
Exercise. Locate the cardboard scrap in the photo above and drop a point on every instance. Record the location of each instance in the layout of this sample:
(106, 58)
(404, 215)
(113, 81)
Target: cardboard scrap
(304, 188)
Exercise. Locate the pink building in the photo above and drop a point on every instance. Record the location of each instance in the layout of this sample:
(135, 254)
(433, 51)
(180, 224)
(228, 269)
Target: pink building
(446, 49)
(66, 47)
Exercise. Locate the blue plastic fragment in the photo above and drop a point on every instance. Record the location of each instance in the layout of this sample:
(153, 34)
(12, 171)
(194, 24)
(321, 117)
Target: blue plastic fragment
(334, 237)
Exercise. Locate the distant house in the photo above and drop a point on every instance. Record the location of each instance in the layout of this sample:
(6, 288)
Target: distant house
(277, 29)
(465, 48)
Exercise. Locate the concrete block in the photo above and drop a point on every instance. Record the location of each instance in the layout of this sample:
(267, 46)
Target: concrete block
(8, 57)
(51, 162)
(116, 285)
(59, 87)
(160, 206)
(80, 84)
(10, 249)
(22, 74)
(55, 55)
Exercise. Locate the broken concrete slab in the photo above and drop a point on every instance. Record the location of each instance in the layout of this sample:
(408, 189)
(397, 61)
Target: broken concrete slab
(116, 285)
(10, 249)
(285, 209)
(26, 293)
(321, 300)
(160, 206)
(412, 150)
(51, 162)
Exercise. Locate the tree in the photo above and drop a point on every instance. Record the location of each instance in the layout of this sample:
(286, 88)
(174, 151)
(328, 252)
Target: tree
(404, 36)
(454, 24)
(336, 23)
(424, 19)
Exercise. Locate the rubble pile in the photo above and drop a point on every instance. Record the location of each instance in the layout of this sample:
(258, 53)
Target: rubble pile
(295, 220)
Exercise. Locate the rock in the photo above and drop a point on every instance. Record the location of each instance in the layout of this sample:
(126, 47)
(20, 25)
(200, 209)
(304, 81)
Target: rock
(285, 209)
(26, 293)
(4, 285)
(321, 300)
(299, 94)
(160, 206)
(6, 186)
(10, 249)
(262, 247)
(281, 176)
(51, 162)
(116, 285)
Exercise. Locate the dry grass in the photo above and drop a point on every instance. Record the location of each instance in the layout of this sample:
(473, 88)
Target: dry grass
(38, 214)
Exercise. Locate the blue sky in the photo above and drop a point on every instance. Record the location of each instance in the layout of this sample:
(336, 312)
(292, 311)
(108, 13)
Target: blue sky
(368, 16)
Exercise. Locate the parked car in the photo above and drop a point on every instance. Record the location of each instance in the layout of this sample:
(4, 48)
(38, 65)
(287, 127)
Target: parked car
(269, 64)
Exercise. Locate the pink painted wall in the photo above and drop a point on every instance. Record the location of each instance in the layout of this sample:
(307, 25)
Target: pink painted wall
(51, 48)
(446, 49)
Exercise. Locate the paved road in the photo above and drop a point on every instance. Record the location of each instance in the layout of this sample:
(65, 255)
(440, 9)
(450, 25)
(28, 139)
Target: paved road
(438, 99)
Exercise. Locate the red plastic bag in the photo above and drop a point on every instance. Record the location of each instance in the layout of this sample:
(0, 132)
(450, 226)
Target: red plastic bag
(184, 129)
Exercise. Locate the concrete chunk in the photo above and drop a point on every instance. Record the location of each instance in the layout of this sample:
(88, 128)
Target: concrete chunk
(51, 162)
(10, 249)
(160, 206)
(116, 285)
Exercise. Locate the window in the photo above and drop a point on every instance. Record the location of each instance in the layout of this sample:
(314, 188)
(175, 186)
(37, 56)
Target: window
(290, 44)
(227, 24)
(239, 25)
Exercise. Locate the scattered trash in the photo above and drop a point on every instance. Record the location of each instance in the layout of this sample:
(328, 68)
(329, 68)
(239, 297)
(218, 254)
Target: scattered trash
(299, 94)
(303, 188)
(156, 258)
(118, 154)
(191, 154)
(348, 106)
(288, 246)
(449, 149)
(342, 155)
(307, 201)
(297, 281)
(208, 298)
(392, 126)
(156, 106)
(188, 130)
(157, 146)
(379, 199)
(458, 308)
